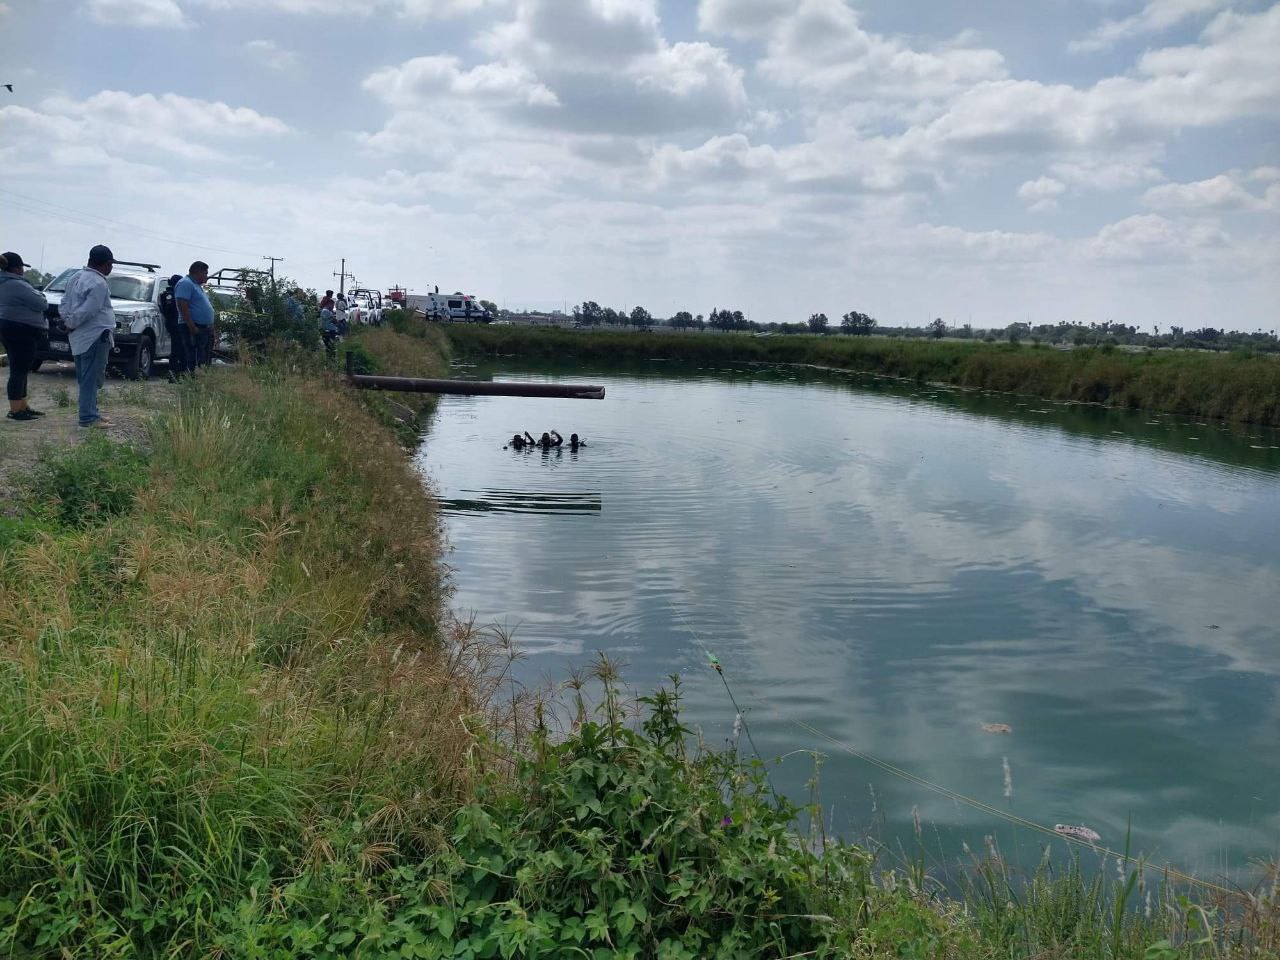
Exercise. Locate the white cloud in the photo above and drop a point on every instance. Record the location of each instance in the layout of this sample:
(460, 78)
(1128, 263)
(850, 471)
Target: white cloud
(136, 13)
(820, 47)
(267, 53)
(586, 69)
(113, 125)
(5, 9)
(408, 9)
(1041, 195)
(1152, 237)
(744, 19)
(999, 245)
(1229, 76)
(1156, 16)
(1114, 169)
(418, 82)
(1223, 192)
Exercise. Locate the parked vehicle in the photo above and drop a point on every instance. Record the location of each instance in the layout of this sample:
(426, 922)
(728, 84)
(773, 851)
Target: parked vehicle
(464, 307)
(140, 336)
(370, 304)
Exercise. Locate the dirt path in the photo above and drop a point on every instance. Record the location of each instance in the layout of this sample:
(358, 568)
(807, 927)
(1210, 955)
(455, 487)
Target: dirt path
(126, 403)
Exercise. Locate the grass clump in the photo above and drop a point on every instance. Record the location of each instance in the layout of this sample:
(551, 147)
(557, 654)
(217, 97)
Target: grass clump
(86, 483)
(1194, 383)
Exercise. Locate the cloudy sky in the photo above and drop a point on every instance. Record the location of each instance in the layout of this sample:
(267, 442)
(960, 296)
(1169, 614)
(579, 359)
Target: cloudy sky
(991, 161)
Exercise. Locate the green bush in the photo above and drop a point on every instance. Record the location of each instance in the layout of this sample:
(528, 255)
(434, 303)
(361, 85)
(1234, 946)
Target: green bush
(88, 482)
(615, 842)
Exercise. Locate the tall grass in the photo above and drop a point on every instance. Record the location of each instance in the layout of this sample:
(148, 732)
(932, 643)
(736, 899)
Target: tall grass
(1230, 387)
(222, 668)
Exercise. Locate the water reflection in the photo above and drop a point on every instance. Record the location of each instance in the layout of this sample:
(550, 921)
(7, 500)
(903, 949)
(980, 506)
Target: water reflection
(897, 566)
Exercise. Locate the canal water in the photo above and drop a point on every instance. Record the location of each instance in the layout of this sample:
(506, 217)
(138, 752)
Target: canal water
(882, 569)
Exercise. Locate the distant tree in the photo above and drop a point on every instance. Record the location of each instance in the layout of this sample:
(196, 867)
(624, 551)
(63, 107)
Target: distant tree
(589, 314)
(818, 323)
(937, 329)
(612, 316)
(682, 320)
(727, 320)
(490, 306)
(36, 278)
(699, 322)
(640, 317)
(857, 324)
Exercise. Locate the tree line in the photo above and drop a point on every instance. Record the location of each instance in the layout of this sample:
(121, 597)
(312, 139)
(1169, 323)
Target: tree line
(858, 323)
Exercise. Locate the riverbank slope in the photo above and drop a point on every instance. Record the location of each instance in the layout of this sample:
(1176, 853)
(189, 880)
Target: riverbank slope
(1242, 388)
(237, 720)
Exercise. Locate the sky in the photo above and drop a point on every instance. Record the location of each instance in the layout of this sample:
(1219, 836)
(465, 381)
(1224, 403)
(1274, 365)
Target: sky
(986, 162)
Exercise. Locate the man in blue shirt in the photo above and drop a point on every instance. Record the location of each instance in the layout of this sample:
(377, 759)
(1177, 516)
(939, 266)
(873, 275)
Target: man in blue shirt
(197, 312)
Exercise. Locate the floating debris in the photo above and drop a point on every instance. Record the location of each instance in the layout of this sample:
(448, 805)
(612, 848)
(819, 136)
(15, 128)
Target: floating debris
(1079, 833)
(996, 728)
(1212, 626)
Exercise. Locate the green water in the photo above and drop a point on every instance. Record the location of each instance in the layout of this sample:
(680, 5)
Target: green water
(895, 566)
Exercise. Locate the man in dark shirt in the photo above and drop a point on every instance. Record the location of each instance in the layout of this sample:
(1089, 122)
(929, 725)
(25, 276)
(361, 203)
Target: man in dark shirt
(180, 351)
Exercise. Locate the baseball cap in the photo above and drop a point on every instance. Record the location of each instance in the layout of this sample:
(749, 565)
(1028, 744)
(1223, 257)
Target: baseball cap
(12, 259)
(101, 254)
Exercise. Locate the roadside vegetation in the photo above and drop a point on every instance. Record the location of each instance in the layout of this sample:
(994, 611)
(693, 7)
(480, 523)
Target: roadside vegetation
(1236, 387)
(237, 721)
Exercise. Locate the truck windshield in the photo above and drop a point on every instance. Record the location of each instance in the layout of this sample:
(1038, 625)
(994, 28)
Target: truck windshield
(131, 288)
(122, 286)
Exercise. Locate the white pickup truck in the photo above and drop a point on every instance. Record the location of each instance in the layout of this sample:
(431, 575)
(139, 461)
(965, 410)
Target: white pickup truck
(140, 335)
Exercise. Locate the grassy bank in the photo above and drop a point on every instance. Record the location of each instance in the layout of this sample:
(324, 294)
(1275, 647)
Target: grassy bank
(237, 722)
(1240, 388)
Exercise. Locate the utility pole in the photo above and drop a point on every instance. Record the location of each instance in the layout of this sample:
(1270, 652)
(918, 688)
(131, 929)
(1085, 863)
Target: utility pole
(342, 276)
(274, 261)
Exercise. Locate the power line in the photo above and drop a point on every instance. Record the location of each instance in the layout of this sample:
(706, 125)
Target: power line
(60, 212)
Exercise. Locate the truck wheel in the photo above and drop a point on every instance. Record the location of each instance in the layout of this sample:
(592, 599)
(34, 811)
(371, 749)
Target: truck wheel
(139, 365)
(36, 365)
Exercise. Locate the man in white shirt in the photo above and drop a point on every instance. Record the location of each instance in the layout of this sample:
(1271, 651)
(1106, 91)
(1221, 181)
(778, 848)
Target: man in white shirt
(86, 310)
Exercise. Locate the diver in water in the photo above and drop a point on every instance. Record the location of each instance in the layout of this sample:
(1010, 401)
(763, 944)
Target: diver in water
(519, 442)
(575, 443)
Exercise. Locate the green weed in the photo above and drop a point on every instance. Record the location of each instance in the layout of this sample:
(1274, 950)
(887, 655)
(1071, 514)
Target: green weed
(1193, 383)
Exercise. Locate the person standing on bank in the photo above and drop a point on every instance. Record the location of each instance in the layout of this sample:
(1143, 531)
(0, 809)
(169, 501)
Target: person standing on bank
(91, 325)
(179, 335)
(197, 313)
(22, 328)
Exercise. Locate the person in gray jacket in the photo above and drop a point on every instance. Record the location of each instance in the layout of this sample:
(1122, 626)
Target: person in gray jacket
(86, 310)
(23, 327)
